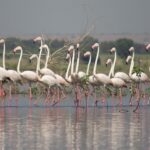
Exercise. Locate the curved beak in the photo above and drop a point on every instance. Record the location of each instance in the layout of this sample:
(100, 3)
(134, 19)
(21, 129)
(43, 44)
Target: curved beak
(30, 60)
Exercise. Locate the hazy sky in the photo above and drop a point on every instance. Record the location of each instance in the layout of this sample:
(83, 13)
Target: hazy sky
(28, 17)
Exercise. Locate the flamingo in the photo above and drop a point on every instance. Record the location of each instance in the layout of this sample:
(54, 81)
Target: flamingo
(13, 75)
(3, 71)
(117, 82)
(79, 74)
(45, 70)
(88, 54)
(28, 75)
(121, 75)
(67, 77)
(142, 78)
(101, 78)
(47, 80)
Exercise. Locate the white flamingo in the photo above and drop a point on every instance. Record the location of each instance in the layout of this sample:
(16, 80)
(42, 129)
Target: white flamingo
(88, 54)
(121, 75)
(47, 80)
(142, 78)
(99, 79)
(117, 82)
(67, 77)
(28, 75)
(45, 70)
(13, 75)
(3, 71)
(79, 74)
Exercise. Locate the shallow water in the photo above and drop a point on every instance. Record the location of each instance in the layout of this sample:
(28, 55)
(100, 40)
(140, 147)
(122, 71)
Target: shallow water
(62, 128)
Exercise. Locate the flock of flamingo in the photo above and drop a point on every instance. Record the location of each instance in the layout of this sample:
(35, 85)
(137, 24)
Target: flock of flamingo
(82, 82)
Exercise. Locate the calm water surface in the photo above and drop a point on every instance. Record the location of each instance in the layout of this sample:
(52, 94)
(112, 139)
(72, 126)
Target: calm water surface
(68, 128)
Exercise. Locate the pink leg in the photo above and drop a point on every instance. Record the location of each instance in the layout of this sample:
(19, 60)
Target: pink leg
(86, 97)
(10, 96)
(47, 97)
(120, 99)
(112, 98)
(104, 98)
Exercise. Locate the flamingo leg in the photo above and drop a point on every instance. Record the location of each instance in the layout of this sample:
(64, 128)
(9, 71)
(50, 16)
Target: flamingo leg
(112, 94)
(86, 98)
(30, 95)
(104, 97)
(120, 99)
(47, 96)
(57, 96)
(2, 92)
(10, 95)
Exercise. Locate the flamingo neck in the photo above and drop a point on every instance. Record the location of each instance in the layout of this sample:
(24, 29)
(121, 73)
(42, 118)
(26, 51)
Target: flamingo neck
(20, 58)
(39, 58)
(72, 63)
(78, 61)
(4, 51)
(110, 72)
(37, 65)
(47, 57)
(132, 64)
(88, 66)
(113, 65)
(96, 60)
(41, 42)
(68, 68)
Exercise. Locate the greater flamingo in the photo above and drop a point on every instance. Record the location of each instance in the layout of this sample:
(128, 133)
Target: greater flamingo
(3, 71)
(117, 82)
(47, 80)
(45, 70)
(141, 78)
(28, 75)
(101, 78)
(121, 75)
(13, 75)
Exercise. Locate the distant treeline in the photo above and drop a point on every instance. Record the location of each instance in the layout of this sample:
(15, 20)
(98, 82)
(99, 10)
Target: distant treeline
(122, 45)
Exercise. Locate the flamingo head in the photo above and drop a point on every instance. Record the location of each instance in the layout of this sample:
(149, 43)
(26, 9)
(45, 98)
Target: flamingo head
(128, 59)
(39, 38)
(113, 50)
(109, 61)
(95, 45)
(77, 46)
(33, 56)
(87, 54)
(68, 56)
(131, 49)
(18, 48)
(44, 46)
(147, 47)
(70, 48)
(2, 41)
